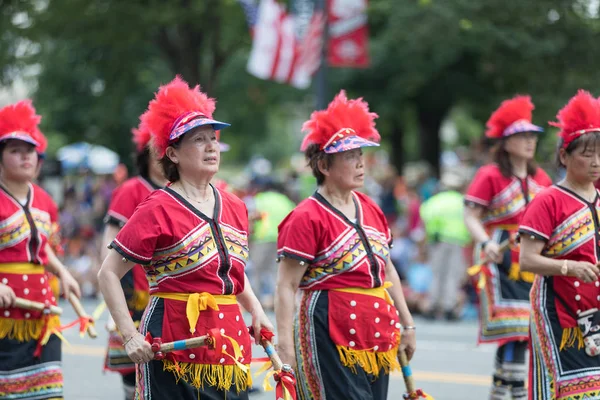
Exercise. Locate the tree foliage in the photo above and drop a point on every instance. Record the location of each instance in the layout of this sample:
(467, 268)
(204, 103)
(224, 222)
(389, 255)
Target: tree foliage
(101, 60)
(430, 56)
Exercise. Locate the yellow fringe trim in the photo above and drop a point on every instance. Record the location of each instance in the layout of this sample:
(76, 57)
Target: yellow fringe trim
(24, 330)
(220, 376)
(139, 300)
(570, 336)
(54, 285)
(370, 361)
(516, 274)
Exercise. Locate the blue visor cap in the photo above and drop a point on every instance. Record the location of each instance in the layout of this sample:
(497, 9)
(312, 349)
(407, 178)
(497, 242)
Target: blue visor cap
(348, 143)
(183, 127)
(23, 136)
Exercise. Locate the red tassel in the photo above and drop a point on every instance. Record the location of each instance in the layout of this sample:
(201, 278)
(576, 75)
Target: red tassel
(217, 338)
(285, 380)
(38, 348)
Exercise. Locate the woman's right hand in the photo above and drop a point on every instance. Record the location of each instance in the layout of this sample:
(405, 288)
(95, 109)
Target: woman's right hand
(138, 349)
(492, 252)
(7, 296)
(583, 270)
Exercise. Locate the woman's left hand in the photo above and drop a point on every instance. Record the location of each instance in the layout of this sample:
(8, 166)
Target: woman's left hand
(69, 284)
(260, 321)
(408, 343)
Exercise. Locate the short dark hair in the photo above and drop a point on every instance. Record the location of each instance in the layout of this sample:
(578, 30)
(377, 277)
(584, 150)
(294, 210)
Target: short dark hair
(142, 162)
(2, 147)
(169, 167)
(586, 140)
(502, 158)
(313, 155)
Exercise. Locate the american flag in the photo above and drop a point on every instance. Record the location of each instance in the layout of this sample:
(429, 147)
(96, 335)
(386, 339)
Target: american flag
(250, 8)
(278, 54)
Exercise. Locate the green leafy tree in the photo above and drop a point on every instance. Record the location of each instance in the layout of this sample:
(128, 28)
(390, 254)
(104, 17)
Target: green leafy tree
(431, 55)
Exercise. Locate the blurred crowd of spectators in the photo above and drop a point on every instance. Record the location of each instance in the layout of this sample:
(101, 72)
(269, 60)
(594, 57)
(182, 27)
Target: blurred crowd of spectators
(84, 199)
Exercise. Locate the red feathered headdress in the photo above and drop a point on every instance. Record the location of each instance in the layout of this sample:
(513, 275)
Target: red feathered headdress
(513, 116)
(19, 121)
(344, 125)
(42, 143)
(141, 137)
(175, 110)
(581, 115)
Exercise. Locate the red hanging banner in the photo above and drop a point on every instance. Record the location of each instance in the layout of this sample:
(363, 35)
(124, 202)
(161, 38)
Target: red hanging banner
(348, 34)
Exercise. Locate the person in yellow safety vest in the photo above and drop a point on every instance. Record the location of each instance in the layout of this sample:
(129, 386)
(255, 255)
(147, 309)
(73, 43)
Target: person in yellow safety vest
(269, 207)
(447, 235)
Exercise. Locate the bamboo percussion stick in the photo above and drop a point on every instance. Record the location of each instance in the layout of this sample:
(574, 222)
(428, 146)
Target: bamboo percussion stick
(503, 246)
(36, 306)
(406, 372)
(185, 344)
(272, 354)
(91, 330)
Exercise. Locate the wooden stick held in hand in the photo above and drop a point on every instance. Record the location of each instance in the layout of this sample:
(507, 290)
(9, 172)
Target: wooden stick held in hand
(36, 306)
(91, 330)
(408, 379)
(411, 391)
(502, 247)
(160, 348)
(272, 354)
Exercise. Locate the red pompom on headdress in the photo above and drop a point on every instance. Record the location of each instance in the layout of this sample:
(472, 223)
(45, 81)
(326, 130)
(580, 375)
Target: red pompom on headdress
(141, 137)
(171, 107)
(513, 116)
(581, 115)
(342, 119)
(19, 121)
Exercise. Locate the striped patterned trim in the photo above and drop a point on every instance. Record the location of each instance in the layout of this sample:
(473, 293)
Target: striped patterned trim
(309, 379)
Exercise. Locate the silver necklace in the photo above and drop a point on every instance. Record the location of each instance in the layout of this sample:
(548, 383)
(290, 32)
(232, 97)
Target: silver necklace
(194, 200)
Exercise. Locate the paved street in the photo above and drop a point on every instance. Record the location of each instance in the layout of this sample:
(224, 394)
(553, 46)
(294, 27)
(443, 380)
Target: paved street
(447, 365)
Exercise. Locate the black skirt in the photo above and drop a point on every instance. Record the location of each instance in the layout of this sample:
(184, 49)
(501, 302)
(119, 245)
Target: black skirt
(153, 381)
(321, 374)
(23, 376)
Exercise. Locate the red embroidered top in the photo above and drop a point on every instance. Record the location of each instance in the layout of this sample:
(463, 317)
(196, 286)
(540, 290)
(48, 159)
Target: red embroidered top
(185, 251)
(126, 198)
(24, 233)
(55, 239)
(25, 229)
(570, 228)
(343, 254)
(340, 253)
(504, 199)
(123, 203)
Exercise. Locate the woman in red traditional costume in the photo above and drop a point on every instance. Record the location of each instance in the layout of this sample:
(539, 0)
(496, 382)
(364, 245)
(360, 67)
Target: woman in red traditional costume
(335, 248)
(559, 236)
(30, 355)
(192, 241)
(123, 203)
(496, 199)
